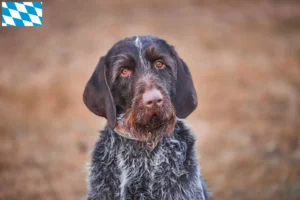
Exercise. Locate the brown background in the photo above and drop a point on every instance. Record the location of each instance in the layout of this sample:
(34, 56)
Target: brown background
(245, 60)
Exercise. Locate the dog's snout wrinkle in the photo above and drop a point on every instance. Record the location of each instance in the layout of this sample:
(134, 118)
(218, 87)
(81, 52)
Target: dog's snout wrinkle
(152, 98)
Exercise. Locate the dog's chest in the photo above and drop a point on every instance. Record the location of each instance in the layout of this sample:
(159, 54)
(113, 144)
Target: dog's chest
(147, 174)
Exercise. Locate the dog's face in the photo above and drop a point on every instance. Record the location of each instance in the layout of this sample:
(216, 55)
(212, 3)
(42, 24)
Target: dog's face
(140, 86)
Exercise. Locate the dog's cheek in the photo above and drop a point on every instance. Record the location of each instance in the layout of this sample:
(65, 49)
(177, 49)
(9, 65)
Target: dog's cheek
(122, 94)
(126, 90)
(168, 79)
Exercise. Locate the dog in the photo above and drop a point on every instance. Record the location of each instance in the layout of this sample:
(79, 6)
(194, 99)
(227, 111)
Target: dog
(145, 152)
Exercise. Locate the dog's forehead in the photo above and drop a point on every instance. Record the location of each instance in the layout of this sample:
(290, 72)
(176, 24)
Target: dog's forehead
(137, 45)
(143, 42)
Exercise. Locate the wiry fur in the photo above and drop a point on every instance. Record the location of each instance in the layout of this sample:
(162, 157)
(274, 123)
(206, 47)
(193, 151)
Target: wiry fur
(145, 152)
(137, 121)
(128, 169)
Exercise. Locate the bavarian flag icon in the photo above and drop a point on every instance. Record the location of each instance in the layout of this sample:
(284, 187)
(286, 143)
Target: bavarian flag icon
(22, 13)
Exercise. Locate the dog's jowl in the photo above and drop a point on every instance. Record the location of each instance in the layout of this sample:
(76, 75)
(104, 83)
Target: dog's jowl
(144, 90)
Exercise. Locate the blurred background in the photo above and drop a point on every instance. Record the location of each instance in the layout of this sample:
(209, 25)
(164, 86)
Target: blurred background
(245, 60)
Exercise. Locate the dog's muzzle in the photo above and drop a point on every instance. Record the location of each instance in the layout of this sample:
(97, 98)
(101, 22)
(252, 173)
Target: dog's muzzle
(151, 115)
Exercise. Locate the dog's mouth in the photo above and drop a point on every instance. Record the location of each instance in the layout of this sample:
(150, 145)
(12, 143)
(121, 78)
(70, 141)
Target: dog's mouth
(148, 124)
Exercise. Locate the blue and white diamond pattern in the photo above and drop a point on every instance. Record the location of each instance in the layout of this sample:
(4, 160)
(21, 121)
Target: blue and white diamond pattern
(22, 13)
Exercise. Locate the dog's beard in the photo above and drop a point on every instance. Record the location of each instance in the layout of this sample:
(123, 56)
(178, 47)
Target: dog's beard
(149, 124)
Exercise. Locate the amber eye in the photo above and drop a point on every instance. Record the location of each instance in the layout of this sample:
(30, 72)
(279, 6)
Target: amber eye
(159, 65)
(125, 72)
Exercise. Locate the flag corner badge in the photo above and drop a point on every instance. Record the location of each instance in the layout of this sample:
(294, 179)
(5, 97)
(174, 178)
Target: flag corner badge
(22, 13)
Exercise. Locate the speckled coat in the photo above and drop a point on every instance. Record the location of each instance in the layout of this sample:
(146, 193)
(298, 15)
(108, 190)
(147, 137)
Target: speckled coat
(126, 169)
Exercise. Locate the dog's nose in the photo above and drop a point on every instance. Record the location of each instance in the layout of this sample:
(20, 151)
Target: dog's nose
(152, 97)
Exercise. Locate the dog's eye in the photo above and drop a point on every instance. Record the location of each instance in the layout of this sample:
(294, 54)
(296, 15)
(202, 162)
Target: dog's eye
(159, 64)
(125, 72)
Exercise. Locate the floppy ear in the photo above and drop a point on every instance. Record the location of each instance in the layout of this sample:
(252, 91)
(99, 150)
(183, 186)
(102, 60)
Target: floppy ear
(186, 96)
(97, 96)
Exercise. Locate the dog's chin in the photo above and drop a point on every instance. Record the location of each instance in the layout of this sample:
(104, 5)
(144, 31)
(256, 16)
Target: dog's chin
(154, 130)
(149, 125)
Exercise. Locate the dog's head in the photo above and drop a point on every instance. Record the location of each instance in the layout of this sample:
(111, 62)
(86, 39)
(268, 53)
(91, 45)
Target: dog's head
(140, 86)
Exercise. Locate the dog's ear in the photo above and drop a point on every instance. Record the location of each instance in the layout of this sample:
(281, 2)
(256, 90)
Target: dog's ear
(186, 97)
(97, 96)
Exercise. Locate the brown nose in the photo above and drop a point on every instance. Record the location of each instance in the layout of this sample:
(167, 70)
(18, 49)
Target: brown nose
(152, 98)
